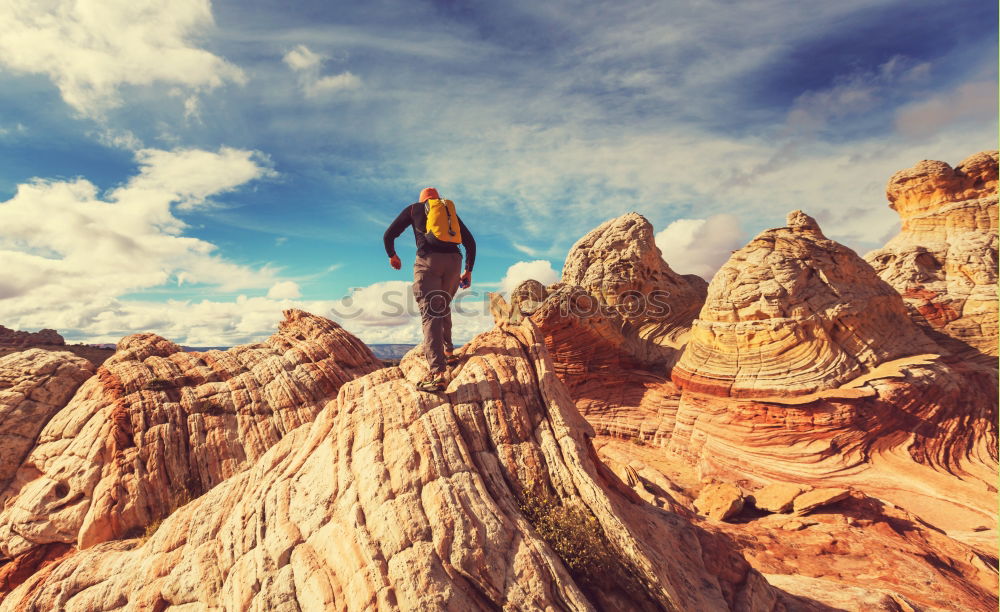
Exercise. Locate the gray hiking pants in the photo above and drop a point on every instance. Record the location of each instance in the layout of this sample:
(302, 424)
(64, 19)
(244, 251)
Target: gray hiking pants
(435, 281)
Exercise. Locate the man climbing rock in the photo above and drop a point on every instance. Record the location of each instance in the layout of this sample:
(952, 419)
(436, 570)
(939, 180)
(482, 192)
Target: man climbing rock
(438, 231)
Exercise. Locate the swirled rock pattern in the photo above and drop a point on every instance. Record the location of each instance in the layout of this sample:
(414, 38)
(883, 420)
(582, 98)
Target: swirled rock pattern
(944, 260)
(157, 426)
(619, 263)
(806, 368)
(793, 313)
(617, 379)
(393, 499)
(34, 385)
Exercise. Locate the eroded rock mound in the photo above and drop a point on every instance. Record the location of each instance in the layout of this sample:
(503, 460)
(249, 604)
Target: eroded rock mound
(24, 339)
(34, 385)
(619, 263)
(944, 260)
(793, 313)
(393, 499)
(157, 427)
(617, 379)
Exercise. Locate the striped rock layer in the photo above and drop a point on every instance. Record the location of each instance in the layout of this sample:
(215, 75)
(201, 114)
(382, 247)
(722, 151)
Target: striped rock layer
(944, 260)
(794, 313)
(619, 263)
(394, 499)
(157, 427)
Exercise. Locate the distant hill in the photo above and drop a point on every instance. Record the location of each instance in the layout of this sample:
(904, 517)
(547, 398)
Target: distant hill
(390, 351)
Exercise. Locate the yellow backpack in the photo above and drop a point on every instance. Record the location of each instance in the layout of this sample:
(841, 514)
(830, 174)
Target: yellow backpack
(442, 222)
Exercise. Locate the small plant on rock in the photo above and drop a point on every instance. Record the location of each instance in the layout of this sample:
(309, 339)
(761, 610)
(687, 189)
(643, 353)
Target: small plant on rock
(572, 532)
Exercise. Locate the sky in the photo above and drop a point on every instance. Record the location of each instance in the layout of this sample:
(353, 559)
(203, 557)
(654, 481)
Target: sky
(192, 168)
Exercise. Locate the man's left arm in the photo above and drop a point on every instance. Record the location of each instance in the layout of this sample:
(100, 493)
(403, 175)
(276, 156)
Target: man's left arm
(470, 252)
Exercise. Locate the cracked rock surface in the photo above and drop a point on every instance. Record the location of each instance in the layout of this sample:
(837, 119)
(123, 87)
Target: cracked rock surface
(395, 499)
(944, 260)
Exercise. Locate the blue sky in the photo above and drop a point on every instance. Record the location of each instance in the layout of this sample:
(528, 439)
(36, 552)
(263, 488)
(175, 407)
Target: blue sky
(191, 168)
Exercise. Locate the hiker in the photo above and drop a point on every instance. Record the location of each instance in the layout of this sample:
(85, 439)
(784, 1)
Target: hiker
(436, 274)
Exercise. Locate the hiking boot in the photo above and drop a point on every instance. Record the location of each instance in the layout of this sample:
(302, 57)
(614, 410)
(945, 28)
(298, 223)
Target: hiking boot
(432, 383)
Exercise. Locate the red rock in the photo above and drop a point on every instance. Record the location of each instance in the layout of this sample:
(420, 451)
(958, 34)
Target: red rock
(395, 499)
(817, 498)
(34, 385)
(158, 426)
(719, 501)
(944, 260)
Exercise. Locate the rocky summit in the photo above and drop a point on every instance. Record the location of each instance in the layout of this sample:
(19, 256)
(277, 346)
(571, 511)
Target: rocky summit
(812, 430)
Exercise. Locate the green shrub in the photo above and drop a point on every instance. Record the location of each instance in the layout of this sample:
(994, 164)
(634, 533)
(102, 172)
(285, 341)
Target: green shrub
(572, 532)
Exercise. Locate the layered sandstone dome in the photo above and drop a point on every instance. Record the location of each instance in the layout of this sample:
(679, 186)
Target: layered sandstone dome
(803, 369)
(944, 260)
(794, 313)
(619, 263)
(157, 427)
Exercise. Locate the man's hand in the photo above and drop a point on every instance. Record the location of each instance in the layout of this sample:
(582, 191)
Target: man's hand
(395, 263)
(465, 281)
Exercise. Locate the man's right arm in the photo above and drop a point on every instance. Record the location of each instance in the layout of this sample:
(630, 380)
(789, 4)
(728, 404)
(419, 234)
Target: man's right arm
(395, 229)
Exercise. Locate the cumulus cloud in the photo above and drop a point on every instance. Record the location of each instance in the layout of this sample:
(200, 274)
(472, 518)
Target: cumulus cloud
(91, 48)
(539, 269)
(307, 65)
(386, 312)
(251, 319)
(700, 246)
(70, 252)
(284, 290)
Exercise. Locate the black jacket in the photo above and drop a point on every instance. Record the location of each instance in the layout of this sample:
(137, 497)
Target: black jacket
(414, 216)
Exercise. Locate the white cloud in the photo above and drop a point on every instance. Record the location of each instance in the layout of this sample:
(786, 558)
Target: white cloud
(118, 139)
(91, 48)
(329, 84)
(302, 58)
(190, 176)
(379, 314)
(700, 246)
(852, 93)
(974, 102)
(70, 253)
(540, 270)
(284, 290)
(307, 64)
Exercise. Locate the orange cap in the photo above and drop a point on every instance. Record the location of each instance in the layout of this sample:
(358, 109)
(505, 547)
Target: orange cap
(428, 193)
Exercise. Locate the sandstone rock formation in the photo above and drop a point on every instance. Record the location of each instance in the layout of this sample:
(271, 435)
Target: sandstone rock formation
(804, 367)
(614, 326)
(817, 498)
(617, 379)
(34, 384)
(157, 427)
(777, 497)
(944, 260)
(393, 499)
(719, 501)
(24, 339)
(620, 264)
(793, 313)
(806, 380)
(865, 554)
(841, 394)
